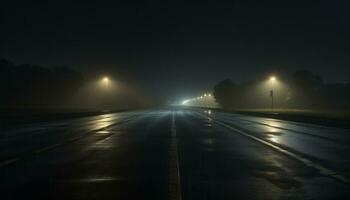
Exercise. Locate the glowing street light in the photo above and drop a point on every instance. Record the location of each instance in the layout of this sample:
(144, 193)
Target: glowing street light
(272, 80)
(105, 81)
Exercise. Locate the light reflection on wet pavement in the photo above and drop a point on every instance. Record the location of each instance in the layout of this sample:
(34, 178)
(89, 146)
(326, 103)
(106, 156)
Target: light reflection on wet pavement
(330, 145)
(126, 156)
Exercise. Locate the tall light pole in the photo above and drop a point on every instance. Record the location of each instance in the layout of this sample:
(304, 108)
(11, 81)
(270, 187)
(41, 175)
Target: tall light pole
(272, 80)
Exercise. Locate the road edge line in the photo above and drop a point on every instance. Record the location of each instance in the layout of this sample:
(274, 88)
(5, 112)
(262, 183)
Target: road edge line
(322, 170)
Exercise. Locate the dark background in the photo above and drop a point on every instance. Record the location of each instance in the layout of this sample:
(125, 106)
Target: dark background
(178, 49)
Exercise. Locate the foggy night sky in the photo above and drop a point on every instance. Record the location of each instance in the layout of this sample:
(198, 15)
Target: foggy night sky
(177, 48)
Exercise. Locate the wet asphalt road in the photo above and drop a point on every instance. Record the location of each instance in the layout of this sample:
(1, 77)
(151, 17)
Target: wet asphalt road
(174, 154)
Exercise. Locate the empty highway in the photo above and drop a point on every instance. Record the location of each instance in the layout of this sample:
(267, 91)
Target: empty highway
(174, 153)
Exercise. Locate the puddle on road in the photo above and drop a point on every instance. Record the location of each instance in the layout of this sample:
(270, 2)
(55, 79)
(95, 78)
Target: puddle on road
(279, 178)
(208, 141)
(273, 136)
(103, 132)
(101, 179)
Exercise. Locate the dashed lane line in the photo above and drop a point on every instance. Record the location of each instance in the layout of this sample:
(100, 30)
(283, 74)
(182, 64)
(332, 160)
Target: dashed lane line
(174, 192)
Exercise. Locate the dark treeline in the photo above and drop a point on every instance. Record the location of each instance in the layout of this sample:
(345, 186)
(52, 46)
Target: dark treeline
(30, 86)
(304, 90)
(27, 86)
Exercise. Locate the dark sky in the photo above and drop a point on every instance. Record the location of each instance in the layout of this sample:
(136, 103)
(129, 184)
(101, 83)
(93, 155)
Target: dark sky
(176, 48)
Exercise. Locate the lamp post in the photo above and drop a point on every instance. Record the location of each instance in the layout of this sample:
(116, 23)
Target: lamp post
(272, 80)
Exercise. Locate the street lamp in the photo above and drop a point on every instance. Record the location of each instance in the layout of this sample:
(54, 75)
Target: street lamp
(272, 80)
(105, 81)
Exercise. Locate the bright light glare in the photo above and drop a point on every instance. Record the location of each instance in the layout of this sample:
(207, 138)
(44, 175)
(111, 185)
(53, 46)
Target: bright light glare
(105, 79)
(273, 138)
(272, 78)
(105, 82)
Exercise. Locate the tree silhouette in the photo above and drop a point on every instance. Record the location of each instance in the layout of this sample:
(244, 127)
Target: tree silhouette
(35, 86)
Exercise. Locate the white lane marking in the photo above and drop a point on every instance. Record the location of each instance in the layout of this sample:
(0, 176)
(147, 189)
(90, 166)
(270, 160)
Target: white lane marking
(48, 148)
(8, 162)
(290, 130)
(174, 170)
(323, 170)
